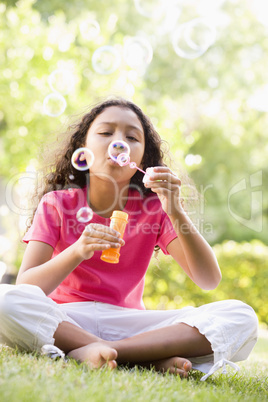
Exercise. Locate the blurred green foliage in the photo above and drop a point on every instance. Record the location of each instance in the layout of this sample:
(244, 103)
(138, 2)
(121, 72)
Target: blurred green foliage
(244, 269)
(200, 106)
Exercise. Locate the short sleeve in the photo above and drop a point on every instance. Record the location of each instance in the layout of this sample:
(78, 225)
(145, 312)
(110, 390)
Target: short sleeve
(166, 234)
(46, 223)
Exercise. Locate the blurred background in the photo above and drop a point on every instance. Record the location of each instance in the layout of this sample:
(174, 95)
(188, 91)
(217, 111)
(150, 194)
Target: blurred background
(198, 68)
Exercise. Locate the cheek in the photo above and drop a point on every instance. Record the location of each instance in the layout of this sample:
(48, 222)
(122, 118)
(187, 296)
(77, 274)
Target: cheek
(142, 154)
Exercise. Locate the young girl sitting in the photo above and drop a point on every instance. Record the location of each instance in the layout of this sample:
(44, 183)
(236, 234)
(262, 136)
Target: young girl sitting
(70, 299)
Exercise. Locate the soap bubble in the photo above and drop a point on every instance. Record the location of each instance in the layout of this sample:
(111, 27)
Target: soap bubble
(106, 60)
(85, 214)
(82, 159)
(54, 104)
(138, 52)
(133, 165)
(89, 29)
(192, 39)
(150, 8)
(62, 81)
(116, 148)
(123, 159)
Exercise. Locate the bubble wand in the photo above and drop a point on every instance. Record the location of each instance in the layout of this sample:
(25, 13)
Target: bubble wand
(124, 160)
(119, 152)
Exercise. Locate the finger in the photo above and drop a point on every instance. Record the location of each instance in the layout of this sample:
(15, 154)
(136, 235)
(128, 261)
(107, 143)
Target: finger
(96, 240)
(163, 185)
(161, 169)
(165, 176)
(103, 232)
(103, 228)
(98, 247)
(164, 192)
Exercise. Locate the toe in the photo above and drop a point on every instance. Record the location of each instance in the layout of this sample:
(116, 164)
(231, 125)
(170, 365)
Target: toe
(187, 365)
(108, 353)
(112, 364)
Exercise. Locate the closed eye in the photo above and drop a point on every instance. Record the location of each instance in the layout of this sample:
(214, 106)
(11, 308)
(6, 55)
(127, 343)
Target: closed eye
(132, 138)
(105, 133)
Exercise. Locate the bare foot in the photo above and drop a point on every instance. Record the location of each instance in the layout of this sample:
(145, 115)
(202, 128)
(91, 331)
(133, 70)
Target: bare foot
(96, 355)
(174, 365)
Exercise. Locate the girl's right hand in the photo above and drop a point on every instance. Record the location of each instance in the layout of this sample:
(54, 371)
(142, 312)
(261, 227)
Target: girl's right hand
(97, 237)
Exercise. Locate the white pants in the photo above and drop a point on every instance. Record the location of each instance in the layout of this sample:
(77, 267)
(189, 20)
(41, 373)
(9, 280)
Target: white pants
(29, 319)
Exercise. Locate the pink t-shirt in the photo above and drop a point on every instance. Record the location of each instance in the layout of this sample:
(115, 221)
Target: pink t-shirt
(121, 284)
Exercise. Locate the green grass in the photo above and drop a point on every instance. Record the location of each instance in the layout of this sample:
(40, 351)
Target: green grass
(34, 378)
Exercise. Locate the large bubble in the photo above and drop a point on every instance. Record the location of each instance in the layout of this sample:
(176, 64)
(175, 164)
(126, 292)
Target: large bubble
(138, 52)
(54, 104)
(62, 81)
(85, 214)
(106, 60)
(82, 159)
(193, 38)
(117, 148)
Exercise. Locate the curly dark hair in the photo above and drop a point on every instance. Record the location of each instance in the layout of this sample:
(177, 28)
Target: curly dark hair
(61, 173)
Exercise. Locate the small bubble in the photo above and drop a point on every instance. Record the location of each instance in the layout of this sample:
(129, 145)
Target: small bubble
(85, 214)
(89, 29)
(71, 177)
(138, 52)
(54, 104)
(106, 60)
(123, 159)
(116, 148)
(193, 38)
(153, 9)
(61, 81)
(82, 159)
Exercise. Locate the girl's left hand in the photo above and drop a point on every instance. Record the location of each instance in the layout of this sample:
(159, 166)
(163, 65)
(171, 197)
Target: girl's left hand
(166, 185)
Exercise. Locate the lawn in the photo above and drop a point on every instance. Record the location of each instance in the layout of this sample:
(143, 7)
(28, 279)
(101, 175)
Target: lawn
(31, 378)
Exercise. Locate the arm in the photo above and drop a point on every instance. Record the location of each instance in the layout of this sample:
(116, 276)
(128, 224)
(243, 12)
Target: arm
(39, 269)
(193, 253)
(189, 249)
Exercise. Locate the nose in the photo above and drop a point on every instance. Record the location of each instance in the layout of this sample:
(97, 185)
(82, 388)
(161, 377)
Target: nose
(118, 136)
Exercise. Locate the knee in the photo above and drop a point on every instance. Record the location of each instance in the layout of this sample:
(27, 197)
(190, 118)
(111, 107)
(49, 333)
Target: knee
(252, 319)
(12, 298)
(8, 300)
(247, 316)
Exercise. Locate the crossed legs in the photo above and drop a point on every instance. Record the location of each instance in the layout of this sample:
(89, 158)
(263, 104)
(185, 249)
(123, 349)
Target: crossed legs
(166, 348)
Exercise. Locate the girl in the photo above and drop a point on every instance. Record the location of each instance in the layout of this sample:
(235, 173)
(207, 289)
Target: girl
(68, 298)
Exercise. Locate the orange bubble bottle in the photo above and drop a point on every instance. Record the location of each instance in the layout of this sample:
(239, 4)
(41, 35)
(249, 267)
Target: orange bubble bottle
(118, 223)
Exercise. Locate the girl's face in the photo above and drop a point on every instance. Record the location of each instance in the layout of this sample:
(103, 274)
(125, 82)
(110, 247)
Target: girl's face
(115, 124)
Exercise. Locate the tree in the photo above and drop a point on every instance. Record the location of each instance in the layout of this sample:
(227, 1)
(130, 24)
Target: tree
(204, 107)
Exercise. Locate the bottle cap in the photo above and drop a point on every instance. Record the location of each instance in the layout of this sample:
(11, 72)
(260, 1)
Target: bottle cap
(120, 215)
